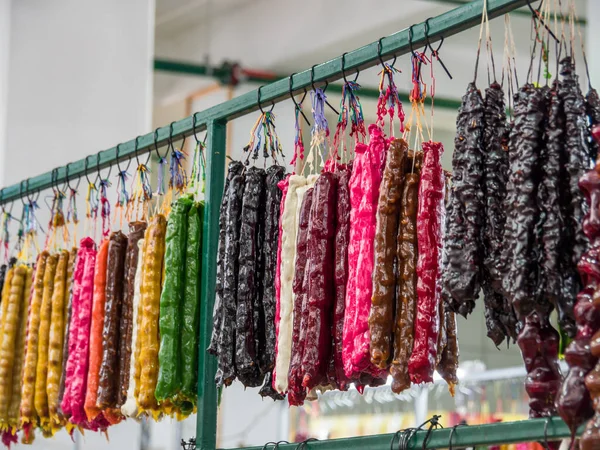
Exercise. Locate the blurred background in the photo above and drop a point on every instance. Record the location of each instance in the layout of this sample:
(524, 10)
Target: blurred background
(78, 76)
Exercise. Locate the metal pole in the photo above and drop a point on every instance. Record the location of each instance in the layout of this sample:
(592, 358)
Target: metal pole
(206, 421)
(444, 25)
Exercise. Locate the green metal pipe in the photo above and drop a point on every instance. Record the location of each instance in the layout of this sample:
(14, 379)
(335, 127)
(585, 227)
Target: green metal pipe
(531, 430)
(224, 75)
(206, 420)
(447, 24)
(516, 12)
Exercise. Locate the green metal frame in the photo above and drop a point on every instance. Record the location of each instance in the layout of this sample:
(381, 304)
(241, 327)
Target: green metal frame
(214, 120)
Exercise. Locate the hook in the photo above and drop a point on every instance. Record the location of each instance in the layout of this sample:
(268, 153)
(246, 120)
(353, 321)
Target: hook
(278, 443)
(298, 105)
(136, 150)
(433, 424)
(344, 69)
(312, 77)
(267, 444)
(302, 445)
(21, 193)
(410, 39)
(435, 53)
(156, 146)
(394, 437)
(119, 165)
(98, 168)
(69, 181)
(86, 172)
(461, 424)
(259, 101)
(194, 129)
(545, 443)
(536, 16)
(54, 180)
(380, 51)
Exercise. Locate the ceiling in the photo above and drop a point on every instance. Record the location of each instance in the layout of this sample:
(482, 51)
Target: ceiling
(278, 36)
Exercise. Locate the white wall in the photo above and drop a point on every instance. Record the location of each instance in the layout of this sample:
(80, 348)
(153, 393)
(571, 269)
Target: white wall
(78, 79)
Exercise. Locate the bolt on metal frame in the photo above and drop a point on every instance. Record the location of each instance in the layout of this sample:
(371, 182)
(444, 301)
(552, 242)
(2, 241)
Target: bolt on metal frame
(214, 120)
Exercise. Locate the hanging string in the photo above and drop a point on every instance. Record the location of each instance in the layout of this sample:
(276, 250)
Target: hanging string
(320, 129)
(178, 179)
(105, 207)
(298, 139)
(141, 193)
(162, 168)
(263, 135)
(5, 233)
(417, 96)
(57, 221)
(27, 234)
(91, 208)
(198, 176)
(389, 102)
(484, 21)
(123, 197)
(350, 111)
(72, 216)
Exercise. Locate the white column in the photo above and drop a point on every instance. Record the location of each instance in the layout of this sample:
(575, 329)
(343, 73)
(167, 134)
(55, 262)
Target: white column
(5, 6)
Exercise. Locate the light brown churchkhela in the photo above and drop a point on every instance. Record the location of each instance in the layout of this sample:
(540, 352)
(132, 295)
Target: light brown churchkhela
(381, 318)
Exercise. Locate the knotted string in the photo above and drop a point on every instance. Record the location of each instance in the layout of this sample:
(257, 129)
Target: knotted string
(72, 216)
(389, 102)
(178, 179)
(198, 175)
(263, 134)
(320, 129)
(123, 197)
(105, 207)
(141, 192)
(91, 207)
(28, 229)
(298, 139)
(162, 167)
(57, 220)
(350, 110)
(5, 233)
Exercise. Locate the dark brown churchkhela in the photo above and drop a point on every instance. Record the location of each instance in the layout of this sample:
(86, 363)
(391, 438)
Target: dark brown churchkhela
(551, 217)
(226, 348)
(235, 168)
(319, 272)
(519, 240)
(269, 265)
(406, 294)
(115, 271)
(500, 325)
(592, 108)
(381, 318)
(573, 402)
(136, 232)
(576, 144)
(297, 393)
(342, 238)
(462, 275)
(246, 357)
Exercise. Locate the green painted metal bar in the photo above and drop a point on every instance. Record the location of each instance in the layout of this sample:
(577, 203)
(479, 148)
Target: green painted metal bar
(516, 12)
(447, 24)
(206, 421)
(224, 74)
(465, 436)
